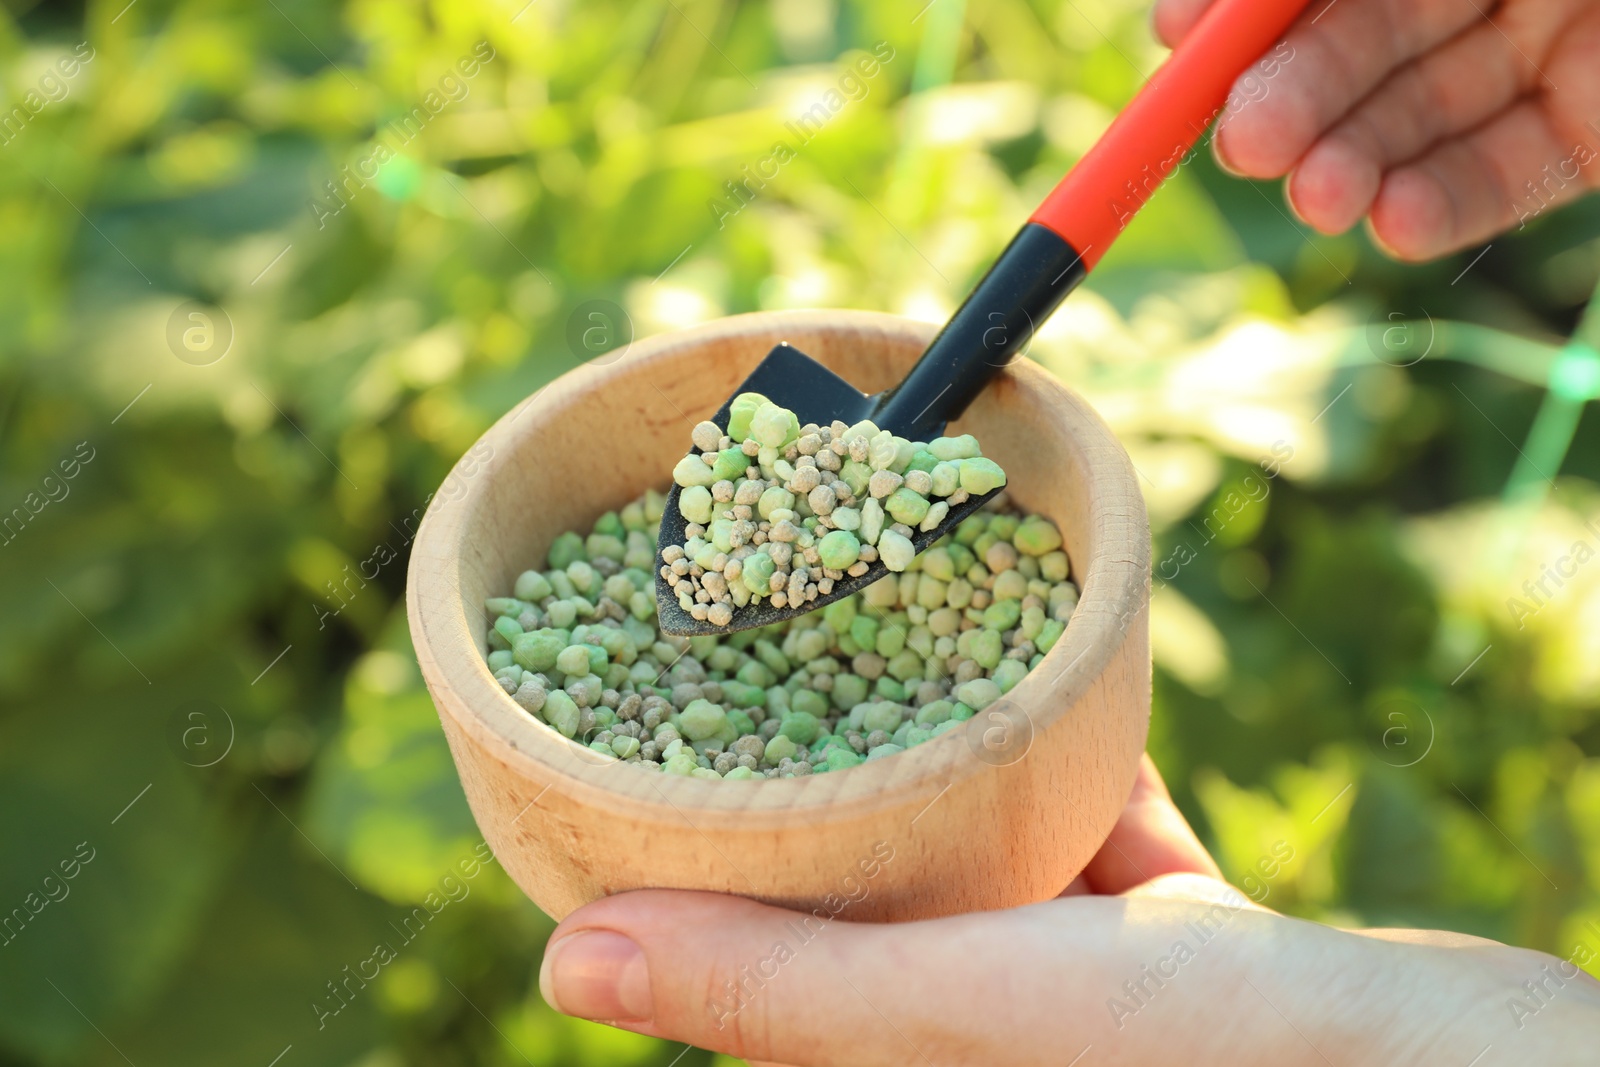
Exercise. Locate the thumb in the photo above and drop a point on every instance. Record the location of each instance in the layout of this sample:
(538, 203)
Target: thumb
(1017, 987)
(737, 976)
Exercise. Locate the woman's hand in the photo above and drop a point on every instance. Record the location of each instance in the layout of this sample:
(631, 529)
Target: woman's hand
(1148, 958)
(1429, 117)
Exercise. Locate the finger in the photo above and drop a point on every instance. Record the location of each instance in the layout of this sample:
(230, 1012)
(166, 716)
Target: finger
(1197, 888)
(1151, 838)
(1078, 887)
(1446, 92)
(1571, 66)
(1335, 55)
(1014, 987)
(1439, 938)
(1173, 19)
(1473, 187)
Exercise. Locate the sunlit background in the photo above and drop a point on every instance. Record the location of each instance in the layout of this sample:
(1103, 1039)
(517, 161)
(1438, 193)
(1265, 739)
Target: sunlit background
(226, 390)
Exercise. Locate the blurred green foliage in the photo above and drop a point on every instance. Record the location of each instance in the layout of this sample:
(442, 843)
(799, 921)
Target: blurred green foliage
(197, 691)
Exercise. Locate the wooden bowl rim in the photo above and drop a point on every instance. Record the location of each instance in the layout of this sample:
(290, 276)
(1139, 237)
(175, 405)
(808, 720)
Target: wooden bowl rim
(458, 677)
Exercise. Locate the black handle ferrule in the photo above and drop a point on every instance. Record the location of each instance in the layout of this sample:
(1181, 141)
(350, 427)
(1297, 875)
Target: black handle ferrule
(1032, 276)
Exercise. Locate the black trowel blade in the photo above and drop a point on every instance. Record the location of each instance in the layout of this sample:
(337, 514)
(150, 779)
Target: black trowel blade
(790, 378)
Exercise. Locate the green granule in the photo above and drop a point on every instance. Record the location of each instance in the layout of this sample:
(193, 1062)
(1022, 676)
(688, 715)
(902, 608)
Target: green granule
(914, 655)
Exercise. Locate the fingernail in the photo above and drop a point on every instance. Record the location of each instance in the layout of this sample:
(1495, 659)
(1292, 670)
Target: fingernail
(596, 974)
(1221, 157)
(1289, 202)
(1382, 245)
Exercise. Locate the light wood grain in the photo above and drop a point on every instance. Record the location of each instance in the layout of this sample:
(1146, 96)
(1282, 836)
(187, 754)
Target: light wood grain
(971, 825)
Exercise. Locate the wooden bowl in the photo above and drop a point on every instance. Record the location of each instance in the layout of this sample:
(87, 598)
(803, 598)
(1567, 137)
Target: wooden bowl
(1002, 812)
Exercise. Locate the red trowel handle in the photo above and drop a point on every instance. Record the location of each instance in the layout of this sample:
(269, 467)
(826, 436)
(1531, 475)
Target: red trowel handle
(1157, 129)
